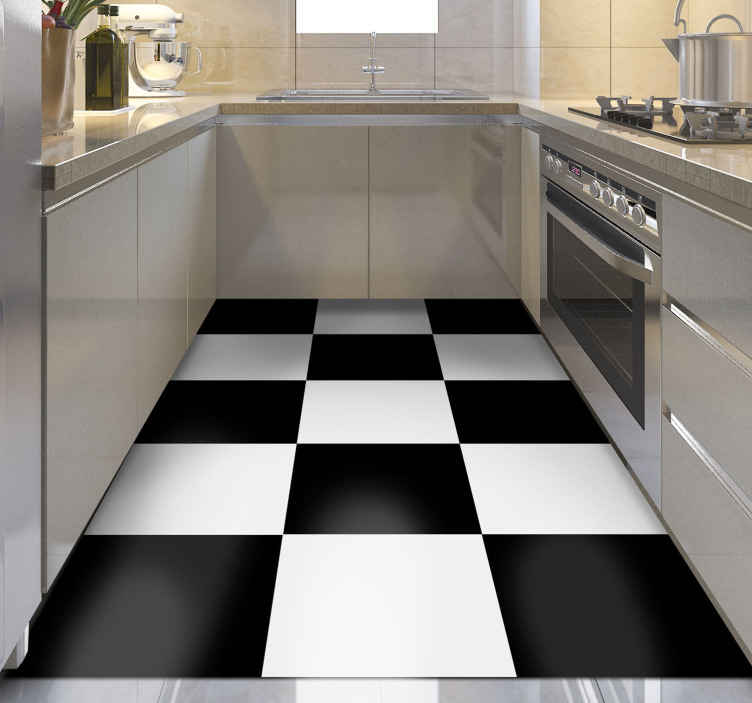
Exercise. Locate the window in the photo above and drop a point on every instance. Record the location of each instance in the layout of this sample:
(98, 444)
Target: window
(365, 16)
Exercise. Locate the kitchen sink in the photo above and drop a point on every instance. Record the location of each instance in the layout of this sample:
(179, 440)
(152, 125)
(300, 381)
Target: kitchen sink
(395, 94)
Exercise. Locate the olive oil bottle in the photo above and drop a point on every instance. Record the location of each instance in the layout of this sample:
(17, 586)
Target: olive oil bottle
(104, 74)
(124, 67)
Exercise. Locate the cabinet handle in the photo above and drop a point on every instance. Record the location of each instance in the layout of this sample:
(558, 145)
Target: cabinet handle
(731, 487)
(710, 337)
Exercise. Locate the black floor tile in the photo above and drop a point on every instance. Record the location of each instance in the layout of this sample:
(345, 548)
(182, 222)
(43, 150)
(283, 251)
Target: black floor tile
(520, 412)
(231, 412)
(479, 317)
(607, 605)
(384, 489)
(374, 357)
(236, 316)
(158, 606)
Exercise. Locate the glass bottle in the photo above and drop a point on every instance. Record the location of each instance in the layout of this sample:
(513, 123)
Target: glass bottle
(115, 26)
(104, 76)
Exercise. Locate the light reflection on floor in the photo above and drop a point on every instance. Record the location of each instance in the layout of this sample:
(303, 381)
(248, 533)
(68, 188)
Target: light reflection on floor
(375, 691)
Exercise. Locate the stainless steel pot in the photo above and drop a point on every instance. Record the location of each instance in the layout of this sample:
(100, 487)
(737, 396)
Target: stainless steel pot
(714, 67)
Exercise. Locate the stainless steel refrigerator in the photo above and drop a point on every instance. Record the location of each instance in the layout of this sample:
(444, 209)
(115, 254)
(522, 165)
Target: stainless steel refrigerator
(20, 324)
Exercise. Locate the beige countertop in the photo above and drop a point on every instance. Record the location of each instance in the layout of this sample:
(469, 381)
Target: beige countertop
(98, 143)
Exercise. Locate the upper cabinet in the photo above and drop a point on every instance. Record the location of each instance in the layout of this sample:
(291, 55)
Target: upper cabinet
(365, 16)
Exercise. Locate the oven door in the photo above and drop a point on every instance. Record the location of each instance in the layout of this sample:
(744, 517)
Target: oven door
(601, 289)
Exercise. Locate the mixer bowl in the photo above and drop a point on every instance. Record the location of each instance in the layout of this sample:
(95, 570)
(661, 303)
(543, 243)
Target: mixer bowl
(160, 65)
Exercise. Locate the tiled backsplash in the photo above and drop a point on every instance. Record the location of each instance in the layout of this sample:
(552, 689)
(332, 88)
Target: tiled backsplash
(553, 48)
(592, 47)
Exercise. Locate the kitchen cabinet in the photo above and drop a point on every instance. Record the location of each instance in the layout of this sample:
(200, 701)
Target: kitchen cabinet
(708, 259)
(92, 354)
(292, 212)
(530, 221)
(201, 204)
(713, 526)
(131, 274)
(437, 215)
(707, 384)
(162, 264)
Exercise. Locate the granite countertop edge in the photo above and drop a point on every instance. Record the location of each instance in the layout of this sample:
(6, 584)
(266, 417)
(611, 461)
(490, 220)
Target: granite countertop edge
(724, 170)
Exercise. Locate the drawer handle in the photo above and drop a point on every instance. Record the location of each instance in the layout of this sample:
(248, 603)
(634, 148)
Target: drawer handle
(729, 485)
(711, 337)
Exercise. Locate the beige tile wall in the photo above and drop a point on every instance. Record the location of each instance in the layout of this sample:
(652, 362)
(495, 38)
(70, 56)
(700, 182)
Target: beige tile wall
(251, 46)
(553, 48)
(592, 47)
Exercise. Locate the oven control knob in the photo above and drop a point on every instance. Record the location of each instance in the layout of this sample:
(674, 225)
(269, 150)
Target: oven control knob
(548, 162)
(595, 189)
(638, 215)
(622, 206)
(607, 196)
(558, 166)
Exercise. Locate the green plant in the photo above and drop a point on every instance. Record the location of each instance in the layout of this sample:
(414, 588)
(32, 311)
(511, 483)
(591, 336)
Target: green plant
(74, 11)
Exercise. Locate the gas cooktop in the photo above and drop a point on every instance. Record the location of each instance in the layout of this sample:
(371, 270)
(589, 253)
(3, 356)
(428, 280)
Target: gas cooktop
(666, 117)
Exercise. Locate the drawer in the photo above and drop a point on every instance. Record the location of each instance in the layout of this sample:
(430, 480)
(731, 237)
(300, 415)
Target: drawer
(696, 505)
(712, 528)
(711, 394)
(706, 266)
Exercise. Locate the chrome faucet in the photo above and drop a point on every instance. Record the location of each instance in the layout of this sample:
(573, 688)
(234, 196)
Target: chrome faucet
(371, 67)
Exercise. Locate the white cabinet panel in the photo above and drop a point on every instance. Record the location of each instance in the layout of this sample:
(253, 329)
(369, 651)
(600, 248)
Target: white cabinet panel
(163, 279)
(436, 213)
(713, 528)
(92, 347)
(695, 243)
(711, 394)
(531, 221)
(201, 205)
(292, 212)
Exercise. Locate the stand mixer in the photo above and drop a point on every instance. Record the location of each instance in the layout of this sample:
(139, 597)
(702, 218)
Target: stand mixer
(157, 62)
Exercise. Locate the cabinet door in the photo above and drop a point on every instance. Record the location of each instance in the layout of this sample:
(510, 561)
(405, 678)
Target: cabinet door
(531, 221)
(163, 279)
(292, 212)
(92, 404)
(436, 212)
(202, 228)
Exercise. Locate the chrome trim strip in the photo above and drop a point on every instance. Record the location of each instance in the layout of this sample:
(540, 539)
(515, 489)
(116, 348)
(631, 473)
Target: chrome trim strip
(369, 120)
(710, 336)
(731, 487)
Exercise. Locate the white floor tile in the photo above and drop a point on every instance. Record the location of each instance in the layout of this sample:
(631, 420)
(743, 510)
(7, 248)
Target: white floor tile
(497, 357)
(198, 489)
(372, 317)
(556, 489)
(385, 605)
(378, 412)
(251, 357)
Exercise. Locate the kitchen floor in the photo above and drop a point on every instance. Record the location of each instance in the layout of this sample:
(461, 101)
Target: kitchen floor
(375, 489)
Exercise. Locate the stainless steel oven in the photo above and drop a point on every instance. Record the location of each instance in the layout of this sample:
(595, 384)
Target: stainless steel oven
(600, 295)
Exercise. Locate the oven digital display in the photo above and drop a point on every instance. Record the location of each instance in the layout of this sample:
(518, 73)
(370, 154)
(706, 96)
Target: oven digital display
(575, 170)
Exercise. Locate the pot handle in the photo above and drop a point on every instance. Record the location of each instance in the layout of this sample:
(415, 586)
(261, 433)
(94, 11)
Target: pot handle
(724, 17)
(199, 62)
(678, 19)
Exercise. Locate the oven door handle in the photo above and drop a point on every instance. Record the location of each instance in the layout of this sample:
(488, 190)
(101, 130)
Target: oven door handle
(633, 269)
